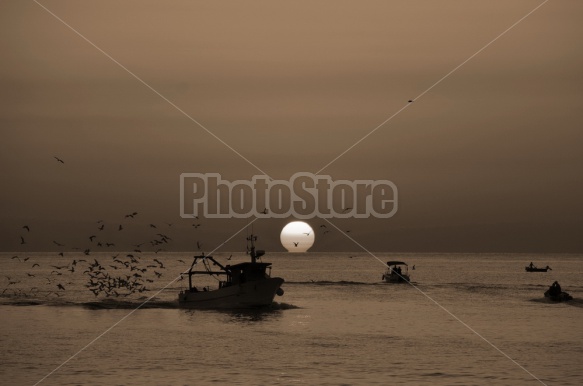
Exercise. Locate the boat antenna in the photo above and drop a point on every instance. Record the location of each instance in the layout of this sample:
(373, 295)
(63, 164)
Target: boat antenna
(251, 249)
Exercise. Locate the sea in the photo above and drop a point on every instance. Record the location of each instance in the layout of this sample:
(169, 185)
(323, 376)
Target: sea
(465, 319)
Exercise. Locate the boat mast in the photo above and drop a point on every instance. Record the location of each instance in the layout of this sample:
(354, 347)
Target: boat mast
(252, 248)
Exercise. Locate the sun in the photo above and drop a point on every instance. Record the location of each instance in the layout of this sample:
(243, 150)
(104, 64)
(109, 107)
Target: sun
(297, 236)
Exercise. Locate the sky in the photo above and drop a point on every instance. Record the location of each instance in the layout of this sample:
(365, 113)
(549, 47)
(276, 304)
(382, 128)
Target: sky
(487, 160)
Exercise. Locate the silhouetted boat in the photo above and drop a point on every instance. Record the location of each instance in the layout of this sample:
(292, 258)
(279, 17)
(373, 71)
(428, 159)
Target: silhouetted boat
(535, 269)
(245, 285)
(397, 272)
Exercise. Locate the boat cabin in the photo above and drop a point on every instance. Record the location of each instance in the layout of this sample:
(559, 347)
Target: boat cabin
(398, 267)
(244, 272)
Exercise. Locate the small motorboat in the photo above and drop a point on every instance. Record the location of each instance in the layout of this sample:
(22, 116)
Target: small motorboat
(532, 268)
(243, 285)
(556, 294)
(397, 272)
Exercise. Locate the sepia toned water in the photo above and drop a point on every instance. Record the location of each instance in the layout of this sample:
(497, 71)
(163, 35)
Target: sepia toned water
(336, 324)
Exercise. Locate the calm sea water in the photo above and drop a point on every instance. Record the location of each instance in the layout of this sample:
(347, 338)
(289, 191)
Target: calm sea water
(336, 324)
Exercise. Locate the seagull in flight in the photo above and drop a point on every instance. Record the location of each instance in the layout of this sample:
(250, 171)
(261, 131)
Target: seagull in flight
(59, 160)
(26, 227)
(295, 244)
(22, 240)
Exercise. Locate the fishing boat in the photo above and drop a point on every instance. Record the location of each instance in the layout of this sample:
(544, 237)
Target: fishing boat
(397, 272)
(243, 285)
(532, 268)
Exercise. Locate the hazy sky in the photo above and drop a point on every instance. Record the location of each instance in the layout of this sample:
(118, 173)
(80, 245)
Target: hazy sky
(488, 160)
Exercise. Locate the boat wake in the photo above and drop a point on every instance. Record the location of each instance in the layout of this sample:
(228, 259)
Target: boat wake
(105, 304)
(327, 282)
(283, 306)
(111, 304)
(127, 305)
(573, 302)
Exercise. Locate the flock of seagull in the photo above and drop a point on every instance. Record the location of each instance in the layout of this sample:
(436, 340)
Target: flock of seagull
(120, 274)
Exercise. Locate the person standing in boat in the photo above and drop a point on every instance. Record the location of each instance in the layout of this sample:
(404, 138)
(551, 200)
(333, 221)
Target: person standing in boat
(531, 265)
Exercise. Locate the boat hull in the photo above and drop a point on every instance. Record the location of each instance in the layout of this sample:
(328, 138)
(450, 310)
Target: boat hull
(528, 269)
(563, 296)
(396, 278)
(252, 294)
